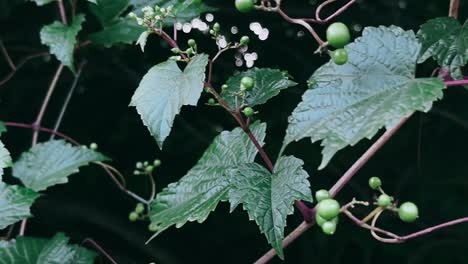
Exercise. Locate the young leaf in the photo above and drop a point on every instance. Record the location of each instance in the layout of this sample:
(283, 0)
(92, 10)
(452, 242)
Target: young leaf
(61, 39)
(50, 163)
(125, 31)
(268, 198)
(15, 202)
(28, 250)
(142, 40)
(445, 40)
(268, 84)
(198, 193)
(164, 90)
(376, 88)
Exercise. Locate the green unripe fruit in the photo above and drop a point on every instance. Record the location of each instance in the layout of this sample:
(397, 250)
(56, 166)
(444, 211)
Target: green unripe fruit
(329, 227)
(140, 208)
(211, 101)
(244, 41)
(224, 86)
(375, 183)
(320, 220)
(133, 216)
(192, 43)
(247, 82)
(384, 201)
(139, 165)
(93, 146)
(321, 195)
(328, 209)
(340, 56)
(408, 212)
(153, 227)
(338, 35)
(149, 169)
(216, 27)
(157, 163)
(189, 51)
(248, 111)
(245, 6)
(175, 50)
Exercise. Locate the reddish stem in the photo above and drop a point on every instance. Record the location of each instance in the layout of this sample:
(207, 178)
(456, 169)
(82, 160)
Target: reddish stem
(100, 249)
(50, 131)
(7, 56)
(21, 64)
(456, 82)
(62, 12)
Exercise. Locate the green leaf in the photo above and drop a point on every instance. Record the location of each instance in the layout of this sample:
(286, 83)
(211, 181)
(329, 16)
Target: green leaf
(268, 84)
(61, 39)
(28, 250)
(3, 128)
(50, 163)
(445, 40)
(109, 11)
(184, 10)
(15, 202)
(125, 31)
(268, 198)
(42, 2)
(198, 193)
(376, 88)
(164, 90)
(142, 40)
(5, 159)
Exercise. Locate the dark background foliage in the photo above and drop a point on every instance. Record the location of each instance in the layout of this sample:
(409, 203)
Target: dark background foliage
(425, 162)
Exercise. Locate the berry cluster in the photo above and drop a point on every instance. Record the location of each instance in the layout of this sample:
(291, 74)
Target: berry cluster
(137, 213)
(153, 17)
(145, 167)
(338, 36)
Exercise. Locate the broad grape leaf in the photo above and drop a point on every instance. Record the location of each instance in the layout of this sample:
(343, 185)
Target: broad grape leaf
(268, 84)
(445, 40)
(29, 250)
(375, 89)
(164, 90)
(125, 31)
(15, 203)
(184, 10)
(50, 163)
(268, 198)
(109, 11)
(198, 193)
(61, 39)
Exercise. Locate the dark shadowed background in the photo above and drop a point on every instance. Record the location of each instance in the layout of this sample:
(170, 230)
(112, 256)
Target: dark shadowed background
(425, 162)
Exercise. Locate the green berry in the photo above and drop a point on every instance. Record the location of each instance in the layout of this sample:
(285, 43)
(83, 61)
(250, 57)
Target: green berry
(244, 41)
(329, 227)
(153, 227)
(247, 82)
(157, 163)
(217, 27)
(136, 172)
(192, 43)
(320, 220)
(375, 183)
(93, 146)
(133, 216)
(248, 111)
(175, 50)
(245, 6)
(224, 87)
(338, 35)
(140, 208)
(211, 101)
(384, 200)
(340, 56)
(149, 169)
(189, 51)
(321, 195)
(408, 212)
(212, 32)
(328, 209)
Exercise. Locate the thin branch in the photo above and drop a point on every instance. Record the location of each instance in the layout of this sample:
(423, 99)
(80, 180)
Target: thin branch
(51, 89)
(68, 98)
(456, 82)
(50, 131)
(7, 56)
(62, 12)
(337, 187)
(21, 64)
(100, 249)
(335, 14)
(454, 5)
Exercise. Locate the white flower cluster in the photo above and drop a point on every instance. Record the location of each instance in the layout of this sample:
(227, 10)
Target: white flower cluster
(152, 16)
